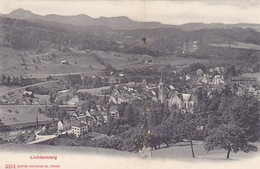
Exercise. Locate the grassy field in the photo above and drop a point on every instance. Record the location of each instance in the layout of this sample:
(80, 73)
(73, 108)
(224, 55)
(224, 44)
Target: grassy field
(179, 152)
(4, 89)
(12, 114)
(94, 91)
(239, 45)
(122, 60)
(183, 150)
(33, 64)
(257, 75)
(178, 61)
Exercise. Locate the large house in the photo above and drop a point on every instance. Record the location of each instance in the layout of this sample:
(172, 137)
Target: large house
(79, 129)
(66, 124)
(182, 101)
(123, 94)
(69, 108)
(218, 79)
(244, 80)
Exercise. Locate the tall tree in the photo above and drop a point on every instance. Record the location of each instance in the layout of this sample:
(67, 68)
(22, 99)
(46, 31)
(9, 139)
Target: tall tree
(236, 126)
(228, 137)
(129, 114)
(189, 130)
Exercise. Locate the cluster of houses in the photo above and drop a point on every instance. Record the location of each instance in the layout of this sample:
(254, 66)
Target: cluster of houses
(80, 122)
(246, 86)
(124, 94)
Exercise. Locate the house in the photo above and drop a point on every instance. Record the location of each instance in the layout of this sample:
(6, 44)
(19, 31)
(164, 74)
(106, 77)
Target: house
(73, 101)
(28, 94)
(171, 87)
(187, 77)
(90, 122)
(174, 100)
(99, 119)
(68, 108)
(244, 80)
(64, 62)
(104, 115)
(113, 112)
(79, 129)
(218, 79)
(203, 79)
(199, 72)
(182, 101)
(253, 89)
(219, 70)
(123, 95)
(65, 124)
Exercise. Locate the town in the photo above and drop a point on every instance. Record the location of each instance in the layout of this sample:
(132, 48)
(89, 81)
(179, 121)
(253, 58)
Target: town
(101, 113)
(142, 91)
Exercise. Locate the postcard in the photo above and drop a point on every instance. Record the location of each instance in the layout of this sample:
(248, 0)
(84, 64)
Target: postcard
(131, 84)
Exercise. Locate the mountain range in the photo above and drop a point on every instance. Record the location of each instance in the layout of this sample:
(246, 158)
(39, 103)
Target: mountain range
(119, 23)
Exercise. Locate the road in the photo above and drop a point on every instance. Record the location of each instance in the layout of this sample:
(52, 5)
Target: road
(42, 138)
(24, 87)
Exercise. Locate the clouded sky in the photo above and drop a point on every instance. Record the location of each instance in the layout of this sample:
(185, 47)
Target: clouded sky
(171, 12)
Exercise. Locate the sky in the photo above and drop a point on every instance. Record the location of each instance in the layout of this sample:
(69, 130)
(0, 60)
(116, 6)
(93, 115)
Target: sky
(168, 12)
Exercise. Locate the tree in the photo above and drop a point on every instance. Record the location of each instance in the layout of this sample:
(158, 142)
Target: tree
(3, 127)
(236, 125)
(8, 80)
(188, 130)
(245, 114)
(52, 98)
(228, 137)
(40, 110)
(129, 114)
(157, 114)
(230, 71)
(3, 79)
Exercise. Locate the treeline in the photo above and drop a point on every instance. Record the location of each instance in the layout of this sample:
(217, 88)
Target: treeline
(246, 60)
(171, 39)
(78, 81)
(18, 81)
(22, 34)
(222, 121)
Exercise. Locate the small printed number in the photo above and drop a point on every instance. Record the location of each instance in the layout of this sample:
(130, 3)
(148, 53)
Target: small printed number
(10, 166)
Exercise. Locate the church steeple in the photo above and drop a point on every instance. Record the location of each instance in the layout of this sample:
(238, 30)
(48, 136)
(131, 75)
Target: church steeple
(161, 94)
(161, 79)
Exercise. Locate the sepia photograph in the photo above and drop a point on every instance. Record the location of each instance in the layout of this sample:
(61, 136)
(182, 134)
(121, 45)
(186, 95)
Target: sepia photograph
(120, 84)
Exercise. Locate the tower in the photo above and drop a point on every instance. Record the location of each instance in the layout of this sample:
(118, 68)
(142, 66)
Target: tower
(161, 93)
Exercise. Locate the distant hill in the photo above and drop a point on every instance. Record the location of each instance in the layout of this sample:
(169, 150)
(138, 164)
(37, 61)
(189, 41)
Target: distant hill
(20, 33)
(122, 22)
(118, 23)
(198, 26)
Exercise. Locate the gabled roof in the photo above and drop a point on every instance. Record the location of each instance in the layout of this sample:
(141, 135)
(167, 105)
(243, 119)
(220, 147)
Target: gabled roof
(181, 96)
(79, 124)
(186, 97)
